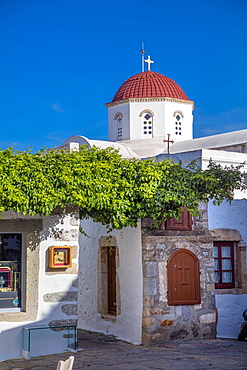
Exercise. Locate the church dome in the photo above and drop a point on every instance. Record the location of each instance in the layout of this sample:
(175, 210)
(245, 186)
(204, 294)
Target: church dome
(149, 85)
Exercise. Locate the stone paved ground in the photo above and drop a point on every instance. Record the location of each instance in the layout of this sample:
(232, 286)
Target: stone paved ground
(101, 352)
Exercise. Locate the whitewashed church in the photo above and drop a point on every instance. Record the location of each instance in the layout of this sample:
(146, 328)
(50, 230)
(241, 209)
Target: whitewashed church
(187, 280)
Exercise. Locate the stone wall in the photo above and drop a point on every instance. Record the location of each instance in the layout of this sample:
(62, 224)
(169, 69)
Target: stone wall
(162, 322)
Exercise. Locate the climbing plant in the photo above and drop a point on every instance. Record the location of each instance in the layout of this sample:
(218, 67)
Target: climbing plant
(114, 191)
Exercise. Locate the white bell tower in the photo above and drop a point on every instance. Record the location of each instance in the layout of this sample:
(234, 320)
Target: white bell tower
(150, 106)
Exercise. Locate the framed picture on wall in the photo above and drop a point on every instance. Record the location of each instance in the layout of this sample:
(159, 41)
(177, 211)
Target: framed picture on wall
(59, 257)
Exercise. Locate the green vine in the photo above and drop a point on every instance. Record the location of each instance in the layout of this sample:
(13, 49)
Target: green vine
(114, 191)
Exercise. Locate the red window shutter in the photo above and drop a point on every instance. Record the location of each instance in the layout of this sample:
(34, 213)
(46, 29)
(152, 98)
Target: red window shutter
(183, 223)
(183, 273)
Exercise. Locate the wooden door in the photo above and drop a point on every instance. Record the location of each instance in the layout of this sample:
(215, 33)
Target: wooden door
(111, 281)
(183, 278)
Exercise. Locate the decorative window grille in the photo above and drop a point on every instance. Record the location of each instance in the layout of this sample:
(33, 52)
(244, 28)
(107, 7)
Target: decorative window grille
(224, 265)
(119, 127)
(178, 124)
(147, 125)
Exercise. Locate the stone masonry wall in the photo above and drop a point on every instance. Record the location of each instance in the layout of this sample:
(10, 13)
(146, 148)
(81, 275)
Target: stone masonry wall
(166, 323)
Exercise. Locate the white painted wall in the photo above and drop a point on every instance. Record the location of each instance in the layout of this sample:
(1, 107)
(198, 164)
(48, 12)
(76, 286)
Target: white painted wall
(112, 125)
(163, 120)
(11, 340)
(43, 341)
(230, 216)
(230, 309)
(187, 122)
(128, 324)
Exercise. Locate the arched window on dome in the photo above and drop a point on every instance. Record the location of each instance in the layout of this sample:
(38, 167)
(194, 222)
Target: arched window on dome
(147, 124)
(178, 123)
(119, 126)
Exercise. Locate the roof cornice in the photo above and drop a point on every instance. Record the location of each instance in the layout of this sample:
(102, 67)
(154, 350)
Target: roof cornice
(153, 99)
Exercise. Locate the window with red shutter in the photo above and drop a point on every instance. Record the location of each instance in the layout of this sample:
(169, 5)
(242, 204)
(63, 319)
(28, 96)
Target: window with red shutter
(224, 265)
(183, 278)
(183, 223)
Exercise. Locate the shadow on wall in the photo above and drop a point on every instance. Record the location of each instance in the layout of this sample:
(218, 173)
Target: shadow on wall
(52, 230)
(59, 308)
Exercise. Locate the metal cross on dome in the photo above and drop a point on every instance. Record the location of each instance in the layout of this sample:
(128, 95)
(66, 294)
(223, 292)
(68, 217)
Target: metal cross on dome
(148, 61)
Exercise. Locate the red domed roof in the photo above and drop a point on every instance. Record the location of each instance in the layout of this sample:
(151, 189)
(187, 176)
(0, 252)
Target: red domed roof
(149, 85)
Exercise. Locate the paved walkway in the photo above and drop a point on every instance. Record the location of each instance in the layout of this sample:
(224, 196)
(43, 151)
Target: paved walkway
(101, 352)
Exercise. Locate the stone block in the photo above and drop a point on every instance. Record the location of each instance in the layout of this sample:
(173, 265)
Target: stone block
(145, 311)
(62, 322)
(150, 255)
(179, 334)
(60, 296)
(208, 331)
(70, 309)
(107, 241)
(150, 286)
(148, 321)
(149, 246)
(162, 281)
(166, 323)
(195, 330)
(204, 216)
(148, 301)
(207, 318)
(161, 246)
(209, 262)
(226, 234)
(150, 269)
(198, 225)
(157, 337)
(203, 206)
(158, 311)
(186, 313)
(210, 287)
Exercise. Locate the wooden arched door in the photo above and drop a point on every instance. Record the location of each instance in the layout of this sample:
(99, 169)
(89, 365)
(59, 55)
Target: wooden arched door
(183, 278)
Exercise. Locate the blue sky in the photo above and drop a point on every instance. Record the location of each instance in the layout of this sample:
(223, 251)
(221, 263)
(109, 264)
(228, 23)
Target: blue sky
(62, 60)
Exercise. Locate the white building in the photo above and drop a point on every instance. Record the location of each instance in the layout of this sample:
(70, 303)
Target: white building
(144, 110)
(119, 286)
